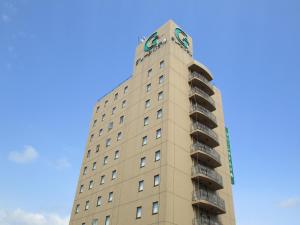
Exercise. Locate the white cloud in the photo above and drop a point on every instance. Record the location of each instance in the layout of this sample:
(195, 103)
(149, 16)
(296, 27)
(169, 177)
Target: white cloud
(62, 164)
(5, 18)
(290, 203)
(21, 217)
(29, 154)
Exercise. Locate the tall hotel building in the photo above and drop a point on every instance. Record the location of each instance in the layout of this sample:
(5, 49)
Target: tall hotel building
(158, 149)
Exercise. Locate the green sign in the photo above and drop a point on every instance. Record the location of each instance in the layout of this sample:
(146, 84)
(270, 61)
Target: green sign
(151, 42)
(182, 37)
(229, 155)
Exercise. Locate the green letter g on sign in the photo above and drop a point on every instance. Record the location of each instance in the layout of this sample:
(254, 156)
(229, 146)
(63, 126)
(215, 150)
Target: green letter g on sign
(151, 42)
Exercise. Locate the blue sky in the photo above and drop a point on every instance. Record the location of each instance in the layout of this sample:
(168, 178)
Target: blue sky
(58, 57)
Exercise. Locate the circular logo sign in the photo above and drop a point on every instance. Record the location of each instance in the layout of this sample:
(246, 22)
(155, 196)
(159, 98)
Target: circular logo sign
(182, 37)
(151, 42)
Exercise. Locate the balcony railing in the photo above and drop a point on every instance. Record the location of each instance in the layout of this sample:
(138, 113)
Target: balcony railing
(200, 77)
(197, 146)
(197, 107)
(198, 91)
(203, 170)
(206, 221)
(199, 126)
(212, 198)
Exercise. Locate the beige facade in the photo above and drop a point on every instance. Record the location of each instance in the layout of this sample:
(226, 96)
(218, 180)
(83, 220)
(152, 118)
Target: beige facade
(156, 152)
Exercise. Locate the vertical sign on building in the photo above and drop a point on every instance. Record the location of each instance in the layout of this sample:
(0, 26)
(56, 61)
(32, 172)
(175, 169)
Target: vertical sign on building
(229, 155)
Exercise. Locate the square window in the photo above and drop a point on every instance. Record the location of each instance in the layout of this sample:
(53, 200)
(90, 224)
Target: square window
(99, 200)
(149, 72)
(91, 184)
(106, 102)
(161, 79)
(107, 220)
(77, 209)
(125, 89)
(108, 142)
(146, 121)
(139, 212)
(148, 87)
(100, 132)
(94, 165)
(119, 136)
(102, 179)
(88, 155)
(84, 170)
(97, 148)
(113, 110)
(155, 208)
(97, 110)
(160, 96)
(94, 124)
(147, 103)
(158, 133)
(87, 205)
(162, 64)
(105, 160)
(110, 126)
(95, 222)
(159, 114)
(114, 175)
(81, 188)
(117, 154)
(116, 96)
(83, 224)
(145, 140)
(92, 137)
(121, 119)
(124, 103)
(143, 162)
(103, 117)
(157, 156)
(141, 185)
(110, 196)
(156, 180)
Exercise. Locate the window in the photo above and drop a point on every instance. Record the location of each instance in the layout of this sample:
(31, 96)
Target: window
(116, 96)
(94, 165)
(141, 185)
(159, 114)
(160, 96)
(107, 220)
(162, 64)
(95, 222)
(113, 110)
(102, 179)
(146, 121)
(110, 196)
(83, 224)
(117, 154)
(125, 89)
(81, 188)
(124, 104)
(95, 121)
(106, 102)
(88, 155)
(113, 174)
(158, 133)
(157, 156)
(139, 212)
(100, 132)
(103, 117)
(87, 205)
(110, 126)
(148, 87)
(99, 200)
(156, 180)
(85, 170)
(147, 103)
(108, 142)
(145, 140)
(155, 207)
(92, 137)
(97, 148)
(149, 72)
(105, 160)
(98, 107)
(91, 184)
(161, 79)
(121, 119)
(119, 136)
(77, 209)
(143, 162)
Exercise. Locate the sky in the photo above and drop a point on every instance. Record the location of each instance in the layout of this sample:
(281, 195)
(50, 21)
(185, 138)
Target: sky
(58, 57)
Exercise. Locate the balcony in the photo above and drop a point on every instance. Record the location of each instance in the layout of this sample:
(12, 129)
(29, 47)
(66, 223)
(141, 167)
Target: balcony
(205, 154)
(205, 134)
(202, 98)
(209, 201)
(203, 115)
(207, 176)
(206, 221)
(199, 80)
(196, 66)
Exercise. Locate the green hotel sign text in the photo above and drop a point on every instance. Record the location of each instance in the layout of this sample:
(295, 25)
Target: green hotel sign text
(182, 38)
